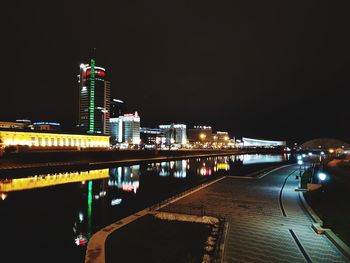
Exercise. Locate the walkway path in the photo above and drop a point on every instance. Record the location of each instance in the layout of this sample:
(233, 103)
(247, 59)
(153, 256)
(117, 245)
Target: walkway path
(267, 222)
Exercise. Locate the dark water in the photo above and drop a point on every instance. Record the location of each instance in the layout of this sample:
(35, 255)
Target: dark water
(52, 221)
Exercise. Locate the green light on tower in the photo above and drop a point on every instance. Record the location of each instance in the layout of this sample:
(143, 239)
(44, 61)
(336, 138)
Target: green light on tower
(92, 97)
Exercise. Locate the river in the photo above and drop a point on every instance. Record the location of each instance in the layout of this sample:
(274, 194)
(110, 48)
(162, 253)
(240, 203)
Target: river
(55, 214)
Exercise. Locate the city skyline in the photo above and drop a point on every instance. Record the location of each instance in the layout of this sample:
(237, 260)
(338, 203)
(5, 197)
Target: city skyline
(278, 70)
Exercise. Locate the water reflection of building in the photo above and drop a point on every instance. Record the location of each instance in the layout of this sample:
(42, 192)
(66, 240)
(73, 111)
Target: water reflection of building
(93, 198)
(260, 158)
(46, 180)
(205, 169)
(125, 178)
(176, 168)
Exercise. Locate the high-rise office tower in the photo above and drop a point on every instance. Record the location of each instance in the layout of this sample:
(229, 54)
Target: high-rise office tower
(94, 99)
(118, 108)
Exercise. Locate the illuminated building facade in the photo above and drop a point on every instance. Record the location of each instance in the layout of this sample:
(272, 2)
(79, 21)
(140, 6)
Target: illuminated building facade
(151, 136)
(51, 140)
(126, 128)
(249, 142)
(47, 126)
(221, 136)
(16, 125)
(94, 99)
(200, 134)
(174, 133)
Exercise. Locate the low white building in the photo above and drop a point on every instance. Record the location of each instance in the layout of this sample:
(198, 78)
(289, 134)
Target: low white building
(126, 128)
(249, 142)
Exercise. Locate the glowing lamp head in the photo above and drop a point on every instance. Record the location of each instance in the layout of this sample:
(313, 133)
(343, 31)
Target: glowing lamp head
(299, 157)
(300, 162)
(304, 155)
(322, 176)
(310, 153)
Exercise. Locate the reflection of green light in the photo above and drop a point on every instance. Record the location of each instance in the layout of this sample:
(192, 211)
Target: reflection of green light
(92, 97)
(89, 207)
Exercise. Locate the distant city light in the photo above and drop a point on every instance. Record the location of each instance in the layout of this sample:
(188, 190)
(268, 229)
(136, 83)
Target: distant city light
(300, 162)
(81, 217)
(299, 157)
(116, 201)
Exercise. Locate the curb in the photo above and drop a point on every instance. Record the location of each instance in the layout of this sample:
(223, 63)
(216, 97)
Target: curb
(309, 210)
(344, 248)
(317, 227)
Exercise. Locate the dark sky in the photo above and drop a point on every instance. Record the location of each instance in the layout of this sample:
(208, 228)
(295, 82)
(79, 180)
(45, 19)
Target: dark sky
(267, 69)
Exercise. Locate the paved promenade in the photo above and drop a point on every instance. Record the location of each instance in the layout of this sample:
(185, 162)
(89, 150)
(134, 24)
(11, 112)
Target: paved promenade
(267, 222)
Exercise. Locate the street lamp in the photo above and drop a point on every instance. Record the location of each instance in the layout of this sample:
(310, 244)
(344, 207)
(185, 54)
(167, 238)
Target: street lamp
(322, 176)
(300, 163)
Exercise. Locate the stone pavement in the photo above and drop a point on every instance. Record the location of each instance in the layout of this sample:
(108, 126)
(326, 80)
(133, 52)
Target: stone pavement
(267, 222)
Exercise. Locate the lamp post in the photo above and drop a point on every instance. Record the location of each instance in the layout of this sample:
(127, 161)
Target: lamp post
(300, 162)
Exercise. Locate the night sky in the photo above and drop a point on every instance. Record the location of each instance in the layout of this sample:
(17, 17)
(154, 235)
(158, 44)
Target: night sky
(266, 69)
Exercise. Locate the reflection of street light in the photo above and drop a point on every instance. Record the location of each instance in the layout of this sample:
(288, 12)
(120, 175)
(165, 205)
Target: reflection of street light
(3, 196)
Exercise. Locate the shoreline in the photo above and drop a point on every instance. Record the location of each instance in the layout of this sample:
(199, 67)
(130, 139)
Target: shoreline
(47, 162)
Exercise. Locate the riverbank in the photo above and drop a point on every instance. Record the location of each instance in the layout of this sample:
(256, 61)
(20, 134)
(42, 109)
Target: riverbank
(44, 162)
(335, 190)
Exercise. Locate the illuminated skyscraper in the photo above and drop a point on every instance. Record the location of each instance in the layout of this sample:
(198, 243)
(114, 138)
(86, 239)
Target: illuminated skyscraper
(94, 99)
(118, 108)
